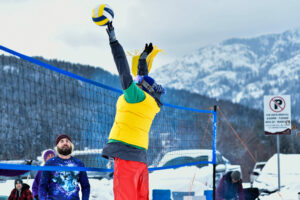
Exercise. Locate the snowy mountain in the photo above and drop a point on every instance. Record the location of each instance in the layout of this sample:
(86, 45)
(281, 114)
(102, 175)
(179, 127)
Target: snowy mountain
(241, 70)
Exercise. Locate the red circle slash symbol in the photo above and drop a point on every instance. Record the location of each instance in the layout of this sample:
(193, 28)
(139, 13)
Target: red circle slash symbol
(277, 104)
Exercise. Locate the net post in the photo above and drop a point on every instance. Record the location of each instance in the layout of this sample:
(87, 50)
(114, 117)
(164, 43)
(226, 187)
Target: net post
(214, 151)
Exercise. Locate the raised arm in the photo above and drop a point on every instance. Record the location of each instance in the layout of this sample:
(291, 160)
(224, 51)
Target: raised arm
(132, 93)
(119, 58)
(142, 65)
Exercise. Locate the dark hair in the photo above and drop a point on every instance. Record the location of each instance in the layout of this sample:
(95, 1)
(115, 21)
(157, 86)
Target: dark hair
(236, 175)
(18, 180)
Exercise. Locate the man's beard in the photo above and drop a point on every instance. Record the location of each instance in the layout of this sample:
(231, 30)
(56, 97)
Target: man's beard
(64, 151)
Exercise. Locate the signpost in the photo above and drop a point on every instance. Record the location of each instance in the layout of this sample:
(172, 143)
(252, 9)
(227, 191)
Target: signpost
(277, 120)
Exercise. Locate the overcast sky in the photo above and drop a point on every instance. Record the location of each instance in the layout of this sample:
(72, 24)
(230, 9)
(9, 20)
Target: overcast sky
(63, 29)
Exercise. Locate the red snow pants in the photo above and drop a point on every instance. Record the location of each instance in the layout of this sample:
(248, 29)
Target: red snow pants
(131, 180)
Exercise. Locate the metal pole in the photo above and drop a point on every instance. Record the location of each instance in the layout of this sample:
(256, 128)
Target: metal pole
(214, 181)
(214, 153)
(278, 160)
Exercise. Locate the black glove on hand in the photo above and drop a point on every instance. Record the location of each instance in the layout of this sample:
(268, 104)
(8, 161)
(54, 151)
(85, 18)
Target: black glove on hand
(111, 32)
(142, 65)
(147, 51)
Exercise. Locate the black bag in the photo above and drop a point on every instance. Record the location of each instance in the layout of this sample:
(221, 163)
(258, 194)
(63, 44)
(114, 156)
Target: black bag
(251, 193)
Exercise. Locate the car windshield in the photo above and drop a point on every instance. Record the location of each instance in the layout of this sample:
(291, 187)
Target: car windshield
(179, 161)
(185, 160)
(202, 159)
(261, 166)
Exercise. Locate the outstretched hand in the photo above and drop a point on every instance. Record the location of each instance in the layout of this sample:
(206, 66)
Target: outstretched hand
(148, 48)
(110, 27)
(111, 32)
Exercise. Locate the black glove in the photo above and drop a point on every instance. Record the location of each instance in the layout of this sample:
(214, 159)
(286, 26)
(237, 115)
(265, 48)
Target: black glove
(111, 32)
(36, 197)
(148, 49)
(142, 65)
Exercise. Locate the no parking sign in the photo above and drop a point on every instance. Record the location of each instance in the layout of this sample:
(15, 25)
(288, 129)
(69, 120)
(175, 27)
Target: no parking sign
(277, 114)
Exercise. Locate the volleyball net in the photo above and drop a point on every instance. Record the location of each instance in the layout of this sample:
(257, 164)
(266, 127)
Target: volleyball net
(40, 101)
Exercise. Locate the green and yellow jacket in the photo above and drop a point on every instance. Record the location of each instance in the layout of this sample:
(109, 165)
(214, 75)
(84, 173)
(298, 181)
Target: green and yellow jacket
(136, 109)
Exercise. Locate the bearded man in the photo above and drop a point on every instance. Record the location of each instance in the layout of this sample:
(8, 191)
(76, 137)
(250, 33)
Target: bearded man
(64, 185)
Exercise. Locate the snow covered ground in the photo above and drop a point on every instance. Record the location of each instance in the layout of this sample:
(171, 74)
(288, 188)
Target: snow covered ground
(185, 179)
(286, 193)
(176, 180)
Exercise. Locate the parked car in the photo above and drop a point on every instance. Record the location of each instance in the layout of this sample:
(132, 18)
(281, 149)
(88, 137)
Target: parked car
(289, 173)
(195, 178)
(197, 155)
(256, 171)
